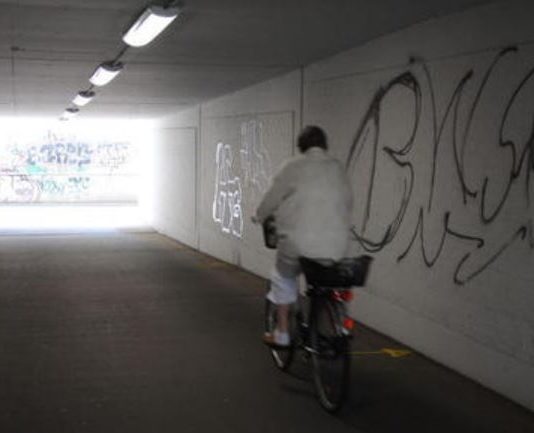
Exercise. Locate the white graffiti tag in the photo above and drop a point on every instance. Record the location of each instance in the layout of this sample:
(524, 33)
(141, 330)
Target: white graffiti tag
(250, 174)
(227, 210)
(255, 161)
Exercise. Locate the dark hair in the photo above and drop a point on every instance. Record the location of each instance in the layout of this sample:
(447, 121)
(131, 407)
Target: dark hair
(312, 136)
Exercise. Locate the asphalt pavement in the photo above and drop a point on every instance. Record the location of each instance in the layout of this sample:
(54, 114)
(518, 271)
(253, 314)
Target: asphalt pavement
(133, 332)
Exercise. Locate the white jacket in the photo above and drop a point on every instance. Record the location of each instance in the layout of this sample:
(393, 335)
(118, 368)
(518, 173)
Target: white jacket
(311, 200)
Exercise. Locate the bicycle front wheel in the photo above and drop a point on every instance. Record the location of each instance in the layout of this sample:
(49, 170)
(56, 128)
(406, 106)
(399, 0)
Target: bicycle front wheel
(330, 355)
(281, 357)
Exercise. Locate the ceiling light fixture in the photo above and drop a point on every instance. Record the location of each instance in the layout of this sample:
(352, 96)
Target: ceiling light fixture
(69, 113)
(83, 98)
(106, 72)
(150, 24)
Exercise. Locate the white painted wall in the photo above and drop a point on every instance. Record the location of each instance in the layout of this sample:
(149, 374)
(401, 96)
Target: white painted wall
(442, 128)
(254, 130)
(463, 291)
(172, 200)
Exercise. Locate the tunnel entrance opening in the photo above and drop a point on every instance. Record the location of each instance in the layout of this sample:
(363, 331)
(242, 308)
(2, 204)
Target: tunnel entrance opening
(80, 175)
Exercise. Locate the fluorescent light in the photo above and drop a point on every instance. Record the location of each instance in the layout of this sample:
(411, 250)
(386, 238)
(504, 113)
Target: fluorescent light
(105, 73)
(150, 24)
(83, 98)
(69, 113)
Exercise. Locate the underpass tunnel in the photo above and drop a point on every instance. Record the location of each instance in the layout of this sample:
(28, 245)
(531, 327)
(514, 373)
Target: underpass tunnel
(137, 139)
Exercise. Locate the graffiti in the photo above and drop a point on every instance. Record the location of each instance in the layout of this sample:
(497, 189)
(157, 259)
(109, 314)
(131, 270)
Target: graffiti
(72, 154)
(69, 186)
(23, 188)
(112, 155)
(251, 172)
(19, 188)
(479, 169)
(255, 161)
(227, 210)
(56, 155)
(62, 168)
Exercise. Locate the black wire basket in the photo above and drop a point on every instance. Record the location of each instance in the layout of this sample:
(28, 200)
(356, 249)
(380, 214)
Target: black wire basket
(348, 272)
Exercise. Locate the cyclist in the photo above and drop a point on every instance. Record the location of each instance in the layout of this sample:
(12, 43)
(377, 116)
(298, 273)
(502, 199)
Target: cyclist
(311, 201)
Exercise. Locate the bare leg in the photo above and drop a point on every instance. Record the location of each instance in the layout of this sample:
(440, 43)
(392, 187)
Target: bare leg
(282, 311)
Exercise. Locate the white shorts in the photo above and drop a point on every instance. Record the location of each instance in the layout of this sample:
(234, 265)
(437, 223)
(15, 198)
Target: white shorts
(284, 276)
(284, 290)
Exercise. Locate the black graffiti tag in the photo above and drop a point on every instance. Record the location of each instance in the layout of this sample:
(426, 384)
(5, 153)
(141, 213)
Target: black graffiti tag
(451, 131)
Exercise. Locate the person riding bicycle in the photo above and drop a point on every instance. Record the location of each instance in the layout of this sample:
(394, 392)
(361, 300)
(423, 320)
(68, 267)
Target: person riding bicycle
(311, 201)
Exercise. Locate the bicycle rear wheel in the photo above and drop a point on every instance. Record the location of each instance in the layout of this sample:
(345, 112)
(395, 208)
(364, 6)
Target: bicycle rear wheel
(282, 357)
(330, 355)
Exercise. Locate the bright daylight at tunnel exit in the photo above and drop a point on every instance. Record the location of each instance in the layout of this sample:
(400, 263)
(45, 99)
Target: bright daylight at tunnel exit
(77, 175)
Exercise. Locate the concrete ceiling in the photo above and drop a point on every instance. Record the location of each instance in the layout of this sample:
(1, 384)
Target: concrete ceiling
(49, 48)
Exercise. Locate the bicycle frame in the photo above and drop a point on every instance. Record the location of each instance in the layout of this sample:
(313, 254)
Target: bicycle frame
(322, 328)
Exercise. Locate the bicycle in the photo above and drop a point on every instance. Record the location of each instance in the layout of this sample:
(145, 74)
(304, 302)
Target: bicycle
(322, 330)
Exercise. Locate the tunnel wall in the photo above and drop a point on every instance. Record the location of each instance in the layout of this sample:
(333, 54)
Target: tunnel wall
(171, 199)
(435, 126)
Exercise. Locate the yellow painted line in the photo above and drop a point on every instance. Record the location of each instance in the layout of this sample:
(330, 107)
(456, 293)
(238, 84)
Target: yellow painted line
(393, 353)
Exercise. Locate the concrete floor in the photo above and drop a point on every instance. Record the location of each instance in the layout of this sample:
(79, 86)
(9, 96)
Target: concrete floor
(135, 333)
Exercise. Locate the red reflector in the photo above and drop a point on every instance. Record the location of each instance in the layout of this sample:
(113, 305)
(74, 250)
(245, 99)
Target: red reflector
(348, 323)
(342, 295)
(346, 295)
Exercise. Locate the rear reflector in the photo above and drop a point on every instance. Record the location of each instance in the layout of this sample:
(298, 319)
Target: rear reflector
(342, 295)
(348, 323)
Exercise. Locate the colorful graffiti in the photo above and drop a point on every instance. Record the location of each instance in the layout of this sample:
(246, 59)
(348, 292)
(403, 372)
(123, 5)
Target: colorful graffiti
(65, 168)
